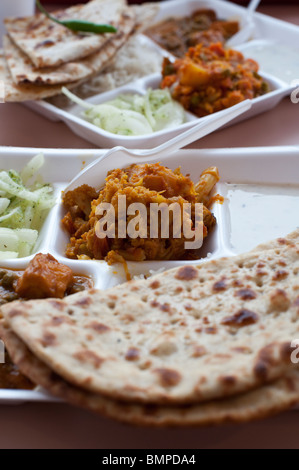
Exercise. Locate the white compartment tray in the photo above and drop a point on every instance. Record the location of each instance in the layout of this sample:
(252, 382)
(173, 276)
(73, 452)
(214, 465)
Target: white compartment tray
(74, 119)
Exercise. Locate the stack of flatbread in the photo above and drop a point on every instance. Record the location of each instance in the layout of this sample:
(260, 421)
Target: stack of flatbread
(40, 56)
(195, 345)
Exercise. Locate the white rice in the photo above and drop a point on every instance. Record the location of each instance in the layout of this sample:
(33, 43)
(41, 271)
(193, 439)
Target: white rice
(132, 61)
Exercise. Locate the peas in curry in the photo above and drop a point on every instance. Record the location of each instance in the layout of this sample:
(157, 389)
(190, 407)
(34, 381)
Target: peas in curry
(209, 79)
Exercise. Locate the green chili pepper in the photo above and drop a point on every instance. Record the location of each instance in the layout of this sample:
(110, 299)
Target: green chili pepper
(79, 25)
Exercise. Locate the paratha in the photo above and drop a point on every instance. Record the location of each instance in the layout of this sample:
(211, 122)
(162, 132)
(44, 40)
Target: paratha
(145, 15)
(188, 335)
(260, 403)
(49, 44)
(23, 71)
(18, 93)
(27, 92)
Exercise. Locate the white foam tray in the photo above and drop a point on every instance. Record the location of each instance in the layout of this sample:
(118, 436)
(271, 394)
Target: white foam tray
(260, 166)
(267, 28)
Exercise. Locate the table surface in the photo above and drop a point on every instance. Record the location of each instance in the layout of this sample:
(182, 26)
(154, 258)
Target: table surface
(62, 426)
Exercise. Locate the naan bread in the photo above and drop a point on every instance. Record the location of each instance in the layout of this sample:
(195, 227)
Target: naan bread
(23, 71)
(263, 402)
(188, 335)
(49, 44)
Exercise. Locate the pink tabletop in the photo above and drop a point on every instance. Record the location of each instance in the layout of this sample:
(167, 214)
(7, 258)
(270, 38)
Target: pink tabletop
(61, 426)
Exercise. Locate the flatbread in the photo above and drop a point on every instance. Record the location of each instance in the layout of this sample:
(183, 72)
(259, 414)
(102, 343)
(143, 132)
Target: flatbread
(188, 335)
(18, 93)
(145, 15)
(49, 44)
(23, 71)
(29, 91)
(263, 402)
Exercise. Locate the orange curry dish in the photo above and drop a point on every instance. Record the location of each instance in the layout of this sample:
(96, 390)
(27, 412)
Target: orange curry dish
(145, 184)
(210, 78)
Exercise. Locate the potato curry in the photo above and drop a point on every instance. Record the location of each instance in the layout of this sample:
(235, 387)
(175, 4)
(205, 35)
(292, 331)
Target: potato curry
(146, 184)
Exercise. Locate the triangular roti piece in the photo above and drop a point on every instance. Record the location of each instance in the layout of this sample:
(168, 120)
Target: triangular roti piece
(145, 15)
(260, 403)
(49, 44)
(23, 71)
(188, 335)
(18, 93)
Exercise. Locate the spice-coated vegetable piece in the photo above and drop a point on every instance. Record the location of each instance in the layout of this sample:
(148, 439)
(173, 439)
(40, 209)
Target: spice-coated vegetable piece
(43, 278)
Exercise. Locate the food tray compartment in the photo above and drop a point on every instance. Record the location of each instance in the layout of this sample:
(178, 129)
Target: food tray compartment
(273, 30)
(180, 8)
(277, 58)
(74, 119)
